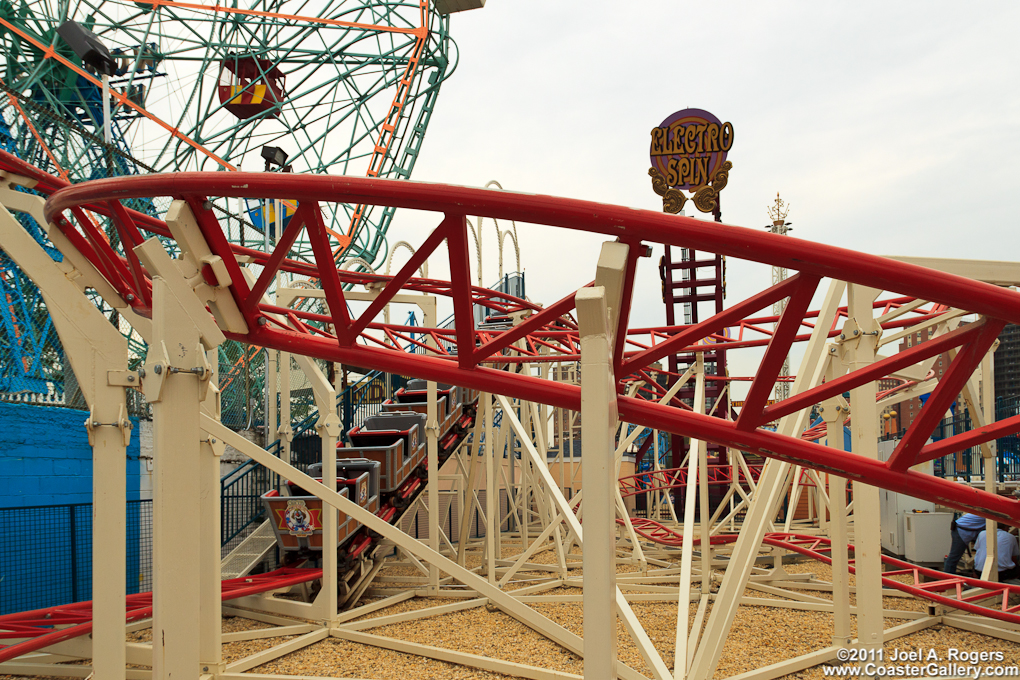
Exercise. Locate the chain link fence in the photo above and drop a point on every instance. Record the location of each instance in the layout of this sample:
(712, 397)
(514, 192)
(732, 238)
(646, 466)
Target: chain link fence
(47, 555)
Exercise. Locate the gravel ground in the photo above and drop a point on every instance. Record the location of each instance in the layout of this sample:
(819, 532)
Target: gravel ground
(791, 633)
(760, 635)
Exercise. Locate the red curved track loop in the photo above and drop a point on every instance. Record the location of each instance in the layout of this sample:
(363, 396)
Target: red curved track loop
(482, 360)
(815, 547)
(676, 478)
(38, 625)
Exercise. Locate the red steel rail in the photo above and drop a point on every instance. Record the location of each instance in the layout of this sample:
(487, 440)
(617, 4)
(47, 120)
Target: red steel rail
(39, 628)
(479, 360)
(676, 478)
(816, 548)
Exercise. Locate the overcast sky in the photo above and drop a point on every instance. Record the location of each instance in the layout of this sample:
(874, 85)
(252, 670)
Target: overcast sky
(890, 128)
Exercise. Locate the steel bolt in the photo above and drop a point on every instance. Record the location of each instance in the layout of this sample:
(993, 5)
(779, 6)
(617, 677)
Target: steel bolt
(131, 378)
(207, 205)
(129, 297)
(158, 369)
(856, 332)
(262, 321)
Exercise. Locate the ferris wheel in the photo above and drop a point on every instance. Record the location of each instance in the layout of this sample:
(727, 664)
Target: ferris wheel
(339, 88)
(342, 87)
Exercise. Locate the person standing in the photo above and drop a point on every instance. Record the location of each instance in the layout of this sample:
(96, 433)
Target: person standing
(1009, 554)
(963, 530)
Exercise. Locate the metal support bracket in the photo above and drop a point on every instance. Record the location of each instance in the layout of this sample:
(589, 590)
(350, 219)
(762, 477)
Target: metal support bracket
(156, 361)
(286, 432)
(158, 369)
(123, 378)
(122, 423)
(330, 425)
(219, 269)
(204, 371)
(217, 447)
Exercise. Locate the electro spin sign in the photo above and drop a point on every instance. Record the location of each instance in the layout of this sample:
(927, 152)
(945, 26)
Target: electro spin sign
(688, 153)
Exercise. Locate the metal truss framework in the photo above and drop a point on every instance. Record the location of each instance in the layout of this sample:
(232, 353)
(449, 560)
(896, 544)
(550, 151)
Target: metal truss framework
(361, 341)
(171, 302)
(818, 547)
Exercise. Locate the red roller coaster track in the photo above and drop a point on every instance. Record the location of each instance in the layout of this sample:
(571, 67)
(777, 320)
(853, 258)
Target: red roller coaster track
(478, 360)
(676, 478)
(815, 547)
(39, 628)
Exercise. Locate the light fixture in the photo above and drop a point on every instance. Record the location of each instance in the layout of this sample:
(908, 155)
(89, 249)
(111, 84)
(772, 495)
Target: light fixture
(274, 155)
(94, 53)
(88, 47)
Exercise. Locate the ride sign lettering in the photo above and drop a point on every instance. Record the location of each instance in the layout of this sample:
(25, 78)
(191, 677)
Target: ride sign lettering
(689, 148)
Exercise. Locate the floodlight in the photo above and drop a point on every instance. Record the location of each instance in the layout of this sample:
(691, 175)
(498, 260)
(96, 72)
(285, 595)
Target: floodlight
(274, 155)
(88, 47)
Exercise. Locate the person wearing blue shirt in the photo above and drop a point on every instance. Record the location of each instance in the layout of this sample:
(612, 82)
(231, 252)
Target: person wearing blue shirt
(1008, 554)
(963, 530)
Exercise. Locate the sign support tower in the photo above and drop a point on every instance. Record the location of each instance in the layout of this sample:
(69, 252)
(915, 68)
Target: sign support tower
(777, 213)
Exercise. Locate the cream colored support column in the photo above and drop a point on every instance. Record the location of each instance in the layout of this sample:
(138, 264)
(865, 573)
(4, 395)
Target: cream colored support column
(177, 506)
(524, 489)
(98, 356)
(989, 452)
(705, 524)
(492, 512)
(598, 423)
(285, 431)
(184, 559)
(271, 378)
(107, 405)
(766, 495)
(834, 413)
(682, 662)
(432, 435)
(697, 472)
(979, 396)
(469, 493)
(861, 333)
(210, 588)
(328, 427)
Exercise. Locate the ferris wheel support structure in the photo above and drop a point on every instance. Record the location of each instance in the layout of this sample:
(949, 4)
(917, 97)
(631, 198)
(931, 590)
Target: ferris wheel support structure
(368, 72)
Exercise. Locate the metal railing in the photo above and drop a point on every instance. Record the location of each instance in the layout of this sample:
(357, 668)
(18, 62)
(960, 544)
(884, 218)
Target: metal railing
(967, 464)
(241, 489)
(47, 555)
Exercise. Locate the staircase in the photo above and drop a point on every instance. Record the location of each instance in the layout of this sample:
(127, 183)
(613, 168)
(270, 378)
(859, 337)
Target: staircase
(249, 553)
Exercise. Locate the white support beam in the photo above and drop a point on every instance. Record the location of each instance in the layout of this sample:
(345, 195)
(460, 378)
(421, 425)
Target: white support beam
(760, 511)
(862, 332)
(177, 549)
(833, 415)
(98, 356)
(641, 640)
(598, 425)
(504, 601)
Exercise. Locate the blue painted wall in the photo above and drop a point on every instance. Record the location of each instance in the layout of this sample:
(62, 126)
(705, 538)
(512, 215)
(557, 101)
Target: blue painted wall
(45, 508)
(45, 457)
